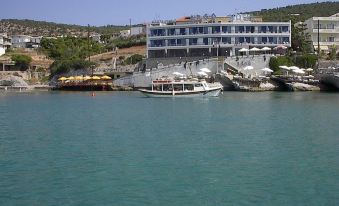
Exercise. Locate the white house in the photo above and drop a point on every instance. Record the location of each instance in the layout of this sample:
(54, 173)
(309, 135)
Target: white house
(327, 29)
(5, 43)
(20, 41)
(125, 33)
(138, 30)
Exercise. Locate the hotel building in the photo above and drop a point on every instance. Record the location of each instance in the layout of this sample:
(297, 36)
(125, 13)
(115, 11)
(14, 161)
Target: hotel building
(328, 32)
(211, 36)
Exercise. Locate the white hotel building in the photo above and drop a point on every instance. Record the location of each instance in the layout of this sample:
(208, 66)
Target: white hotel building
(328, 32)
(208, 35)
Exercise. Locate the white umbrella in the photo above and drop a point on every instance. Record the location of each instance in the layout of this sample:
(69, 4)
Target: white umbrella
(294, 68)
(267, 70)
(298, 71)
(202, 73)
(178, 74)
(248, 68)
(284, 67)
(309, 70)
(280, 47)
(266, 49)
(243, 50)
(205, 70)
(254, 49)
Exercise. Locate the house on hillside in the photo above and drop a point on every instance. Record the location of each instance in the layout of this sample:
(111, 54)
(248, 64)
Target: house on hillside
(125, 33)
(5, 43)
(327, 29)
(138, 30)
(20, 41)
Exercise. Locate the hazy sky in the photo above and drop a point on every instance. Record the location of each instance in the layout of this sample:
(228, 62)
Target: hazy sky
(103, 12)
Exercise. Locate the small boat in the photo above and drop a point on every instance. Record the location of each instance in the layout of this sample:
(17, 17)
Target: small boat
(183, 88)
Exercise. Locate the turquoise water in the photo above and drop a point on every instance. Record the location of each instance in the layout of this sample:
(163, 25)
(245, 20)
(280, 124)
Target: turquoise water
(123, 149)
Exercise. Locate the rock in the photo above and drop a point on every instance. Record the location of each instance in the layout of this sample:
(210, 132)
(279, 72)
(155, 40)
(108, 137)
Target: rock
(14, 81)
(304, 87)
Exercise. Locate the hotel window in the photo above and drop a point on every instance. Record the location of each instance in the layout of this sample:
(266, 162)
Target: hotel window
(226, 40)
(226, 29)
(182, 31)
(264, 40)
(284, 29)
(205, 30)
(171, 32)
(286, 40)
(172, 42)
(193, 41)
(262, 29)
(249, 29)
(215, 29)
(331, 39)
(239, 29)
(205, 41)
(181, 42)
(330, 26)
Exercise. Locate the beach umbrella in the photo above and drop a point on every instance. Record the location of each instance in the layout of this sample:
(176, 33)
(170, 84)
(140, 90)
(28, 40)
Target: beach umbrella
(294, 68)
(202, 73)
(87, 78)
(267, 70)
(280, 47)
(248, 68)
(71, 78)
(266, 49)
(309, 70)
(106, 77)
(298, 71)
(79, 78)
(206, 70)
(254, 49)
(96, 78)
(243, 50)
(63, 79)
(284, 67)
(178, 74)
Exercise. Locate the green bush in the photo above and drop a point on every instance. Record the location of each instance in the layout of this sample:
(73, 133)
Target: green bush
(64, 66)
(306, 61)
(21, 61)
(275, 62)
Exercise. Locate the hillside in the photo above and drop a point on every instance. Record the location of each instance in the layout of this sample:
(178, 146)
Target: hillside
(42, 28)
(304, 11)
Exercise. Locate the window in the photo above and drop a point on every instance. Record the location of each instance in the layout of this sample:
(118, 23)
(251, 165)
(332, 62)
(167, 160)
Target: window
(331, 39)
(215, 29)
(226, 29)
(330, 26)
(226, 40)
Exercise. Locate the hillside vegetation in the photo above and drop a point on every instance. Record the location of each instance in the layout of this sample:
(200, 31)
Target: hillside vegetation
(304, 11)
(42, 28)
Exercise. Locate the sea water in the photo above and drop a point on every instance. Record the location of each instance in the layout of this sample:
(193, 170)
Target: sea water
(119, 148)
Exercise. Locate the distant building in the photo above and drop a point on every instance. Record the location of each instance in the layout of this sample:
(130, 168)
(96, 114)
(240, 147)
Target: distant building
(34, 42)
(328, 32)
(207, 35)
(96, 37)
(5, 43)
(125, 33)
(139, 30)
(20, 41)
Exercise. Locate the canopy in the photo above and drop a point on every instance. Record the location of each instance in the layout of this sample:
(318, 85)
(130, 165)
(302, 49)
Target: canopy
(63, 79)
(71, 78)
(267, 70)
(266, 49)
(309, 69)
(106, 77)
(254, 49)
(248, 68)
(96, 78)
(243, 50)
(205, 70)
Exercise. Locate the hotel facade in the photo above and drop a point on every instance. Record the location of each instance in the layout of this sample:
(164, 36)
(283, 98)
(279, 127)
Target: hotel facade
(213, 36)
(327, 28)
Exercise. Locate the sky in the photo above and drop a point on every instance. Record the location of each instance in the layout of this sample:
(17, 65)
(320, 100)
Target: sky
(119, 12)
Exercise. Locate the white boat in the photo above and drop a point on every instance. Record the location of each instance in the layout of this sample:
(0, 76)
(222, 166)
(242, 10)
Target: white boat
(183, 88)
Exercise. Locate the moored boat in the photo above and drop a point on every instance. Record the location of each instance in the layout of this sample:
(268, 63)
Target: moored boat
(182, 88)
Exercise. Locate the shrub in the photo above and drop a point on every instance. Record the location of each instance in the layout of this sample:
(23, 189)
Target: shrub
(21, 61)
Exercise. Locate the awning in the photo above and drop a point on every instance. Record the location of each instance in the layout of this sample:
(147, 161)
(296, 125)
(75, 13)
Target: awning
(321, 48)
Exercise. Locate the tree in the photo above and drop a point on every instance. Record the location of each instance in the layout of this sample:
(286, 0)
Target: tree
(333, 53)
(21, 61)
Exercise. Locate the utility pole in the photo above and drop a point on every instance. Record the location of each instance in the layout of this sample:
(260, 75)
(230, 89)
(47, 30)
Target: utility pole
(318, 39)
(89, 56)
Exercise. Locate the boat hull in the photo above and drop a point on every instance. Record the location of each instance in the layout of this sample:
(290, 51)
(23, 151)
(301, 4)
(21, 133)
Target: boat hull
(208, 93)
